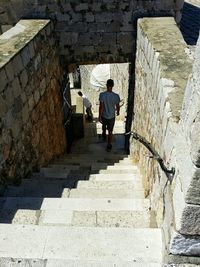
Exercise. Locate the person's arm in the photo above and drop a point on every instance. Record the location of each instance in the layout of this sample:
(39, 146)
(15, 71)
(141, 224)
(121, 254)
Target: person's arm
(100, 111)
(118, 109)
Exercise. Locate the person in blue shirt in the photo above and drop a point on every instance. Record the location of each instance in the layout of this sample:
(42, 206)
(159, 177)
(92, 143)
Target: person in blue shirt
(108, 108)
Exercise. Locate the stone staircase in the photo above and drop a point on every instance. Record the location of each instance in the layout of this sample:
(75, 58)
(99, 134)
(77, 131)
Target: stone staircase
(85, 209)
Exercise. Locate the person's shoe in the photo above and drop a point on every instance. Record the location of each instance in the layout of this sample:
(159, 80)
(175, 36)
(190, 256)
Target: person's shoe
(109, 147)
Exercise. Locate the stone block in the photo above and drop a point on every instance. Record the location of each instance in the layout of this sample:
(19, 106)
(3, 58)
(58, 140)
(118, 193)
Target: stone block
(24, 78)
(135, 219)
(3, 107)
(31, 49)
(19, 217)
(89, 17)
(84, 218)
(124, 38)
(89, 39)
(16, 87)
(9, 72)
(81, 7)
(25, 55)
(195, 140)
(3, 79)
(31, 102)
(104, 17)
(17, 64)
(56, 217)
(113, 27)
(37, 62)
(62, 17)
(185, 245)
(190, 222)
(36, 96)
(194, 188)
(66, 7)
(9, 96)
(43, 86)
(25, 113)
(17, 105)
(109, 39)
(69, 38)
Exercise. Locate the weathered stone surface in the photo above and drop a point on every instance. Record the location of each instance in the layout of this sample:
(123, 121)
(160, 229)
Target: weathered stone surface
(194, 189)
(30, 99)
(11, 262)
(191, 220)
(183, 245)
(172, 130)
(87, 18)
(19, 216)
(3, 80)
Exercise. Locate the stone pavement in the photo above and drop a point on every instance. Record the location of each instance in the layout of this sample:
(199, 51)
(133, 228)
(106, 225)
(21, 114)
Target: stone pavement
(84, 209)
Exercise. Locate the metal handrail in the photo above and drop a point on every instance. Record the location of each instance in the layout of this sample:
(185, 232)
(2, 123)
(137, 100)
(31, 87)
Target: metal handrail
(66, 103)
(169, 172)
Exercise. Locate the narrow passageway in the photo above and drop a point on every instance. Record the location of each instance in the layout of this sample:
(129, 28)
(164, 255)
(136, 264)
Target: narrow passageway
(86, 208)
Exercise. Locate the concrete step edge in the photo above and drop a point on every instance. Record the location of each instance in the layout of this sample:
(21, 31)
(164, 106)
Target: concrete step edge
(109, 204)
(8, 262)
(48, 242)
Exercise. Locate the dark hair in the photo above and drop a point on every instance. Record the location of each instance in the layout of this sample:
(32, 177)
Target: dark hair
(79, 93)
(110, 83)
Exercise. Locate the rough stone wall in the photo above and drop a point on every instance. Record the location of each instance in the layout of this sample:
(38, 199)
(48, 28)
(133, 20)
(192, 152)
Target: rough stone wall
(92, 31)
(31, 117)
(162, 70)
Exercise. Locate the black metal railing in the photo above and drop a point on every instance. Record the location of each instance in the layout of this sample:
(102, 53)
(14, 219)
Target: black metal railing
(169, 172)
(67, 108)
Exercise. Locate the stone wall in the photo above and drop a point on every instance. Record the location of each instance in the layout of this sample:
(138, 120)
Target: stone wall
(31, 117)
(167, 115)
(91, 31)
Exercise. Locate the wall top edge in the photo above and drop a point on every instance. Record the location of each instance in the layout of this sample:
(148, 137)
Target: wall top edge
(166, 40)
(16, 38)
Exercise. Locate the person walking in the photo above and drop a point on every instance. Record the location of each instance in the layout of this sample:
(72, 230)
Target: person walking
(88, 106)
(109, 104)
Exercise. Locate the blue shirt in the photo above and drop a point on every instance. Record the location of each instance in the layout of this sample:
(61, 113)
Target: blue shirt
(109, 100)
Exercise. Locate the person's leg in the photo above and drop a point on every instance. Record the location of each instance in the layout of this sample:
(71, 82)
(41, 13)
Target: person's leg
(110, 133)
(109, 137)
(104, 129)
(91, 114)
(88, 113)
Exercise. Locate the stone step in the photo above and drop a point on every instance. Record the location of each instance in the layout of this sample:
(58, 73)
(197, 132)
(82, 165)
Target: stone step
(130, 185)
(84, 243)
(99, 166)
(85, 204)
(122, 167)
(58, 172)
(119, 156)
(11, 262)
(118, 171)
(103, 193)
(88, 162)
(114, 177)
(39, 188)
(77, 212)
(134, 219)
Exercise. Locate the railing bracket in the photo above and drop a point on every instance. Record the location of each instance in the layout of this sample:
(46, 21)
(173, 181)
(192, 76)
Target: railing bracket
(169, 172)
